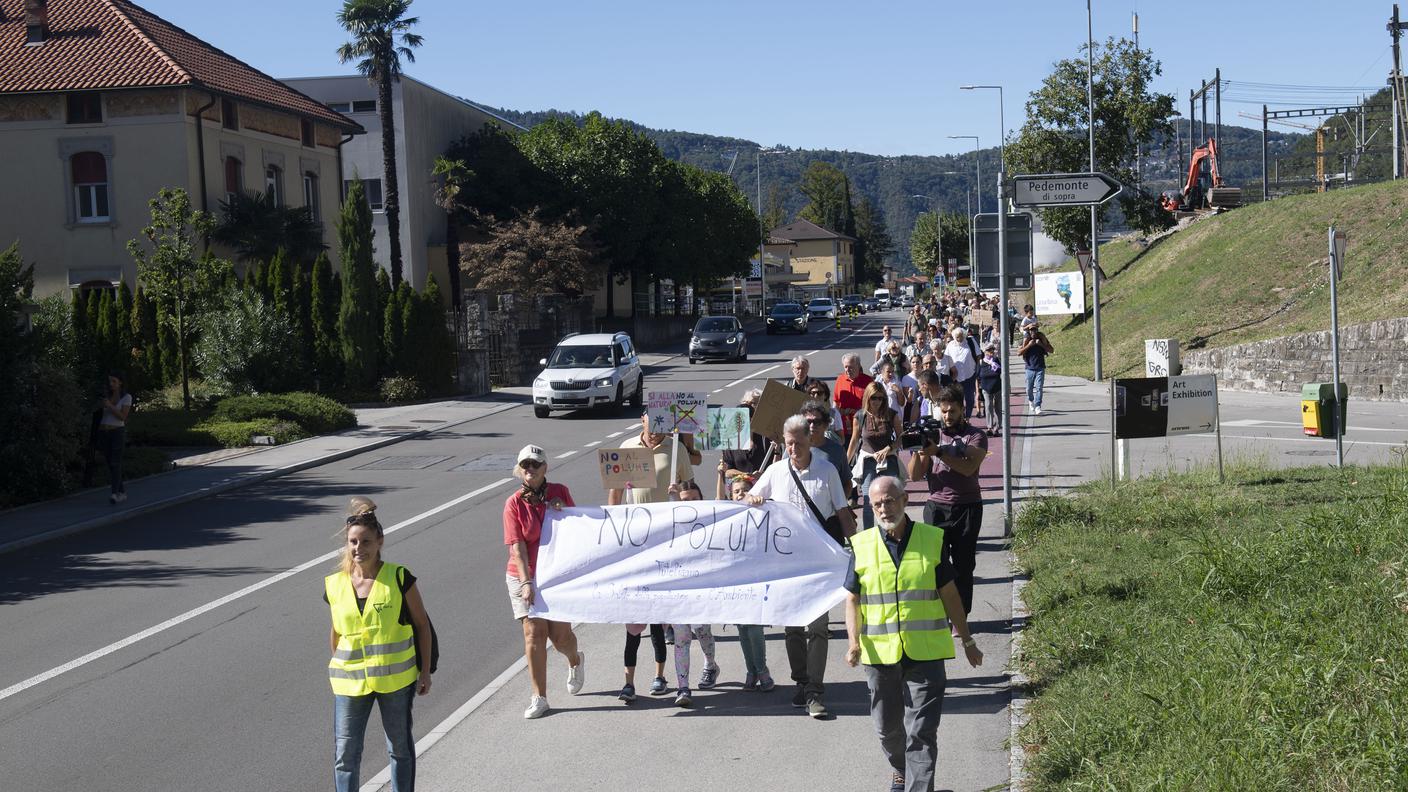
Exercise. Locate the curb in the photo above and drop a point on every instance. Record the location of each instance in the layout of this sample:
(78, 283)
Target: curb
(1016, 688)
(230, 486)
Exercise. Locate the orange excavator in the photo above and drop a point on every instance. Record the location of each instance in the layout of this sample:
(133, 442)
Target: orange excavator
(1194, 197)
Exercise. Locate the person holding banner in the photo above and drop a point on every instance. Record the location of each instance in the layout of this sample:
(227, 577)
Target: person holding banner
(811, 483)
(523, 530)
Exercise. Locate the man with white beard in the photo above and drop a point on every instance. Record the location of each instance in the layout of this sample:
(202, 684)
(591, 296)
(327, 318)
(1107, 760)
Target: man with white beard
(898, 615)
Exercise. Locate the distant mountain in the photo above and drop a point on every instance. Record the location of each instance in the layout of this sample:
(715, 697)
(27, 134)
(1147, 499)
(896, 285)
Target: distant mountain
(891, 182)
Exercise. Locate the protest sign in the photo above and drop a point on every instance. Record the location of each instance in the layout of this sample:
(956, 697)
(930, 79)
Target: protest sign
(730, 428)
(696, 562)
(777, 404)
(626, 466)
(676, 411)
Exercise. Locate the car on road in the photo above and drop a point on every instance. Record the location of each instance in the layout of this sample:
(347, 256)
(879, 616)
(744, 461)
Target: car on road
(882, 296)
(589, 370)
(719, 338)
(821, 308)
(852, 302)
(787, 317)
(871, 304)
(906, 301)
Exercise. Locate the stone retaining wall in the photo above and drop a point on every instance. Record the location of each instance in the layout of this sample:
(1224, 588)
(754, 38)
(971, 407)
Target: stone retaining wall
(1373, 361)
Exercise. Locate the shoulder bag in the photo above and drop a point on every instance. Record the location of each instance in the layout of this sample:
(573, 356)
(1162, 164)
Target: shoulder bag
(832, 524)
(415, 639)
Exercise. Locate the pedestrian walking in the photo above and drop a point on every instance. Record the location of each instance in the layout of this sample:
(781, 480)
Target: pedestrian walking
(950, 468)
(523, 530)
(882, 347)
(1034, 349)
(380, 634)
(811, 483)
(990, 380)
(875, 444)
(901, 597)
(801, 374)
(820, 416)
(750, 636)
(963, 353)
(849, 390)
(112, 433)
(820, 391)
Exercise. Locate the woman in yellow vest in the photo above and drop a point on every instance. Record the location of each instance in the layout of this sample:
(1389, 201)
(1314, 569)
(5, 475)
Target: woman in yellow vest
(377, 620)
(902, 601)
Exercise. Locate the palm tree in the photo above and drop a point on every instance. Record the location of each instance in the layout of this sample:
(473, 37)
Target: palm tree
(255, 226)
(381, 36)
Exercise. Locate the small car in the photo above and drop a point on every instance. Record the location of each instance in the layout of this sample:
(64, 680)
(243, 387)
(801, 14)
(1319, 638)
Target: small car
(906, 301)
(821, 308)
(852, 302)
(589, 370)
(718, 337)
(871, 304)
(787, 318)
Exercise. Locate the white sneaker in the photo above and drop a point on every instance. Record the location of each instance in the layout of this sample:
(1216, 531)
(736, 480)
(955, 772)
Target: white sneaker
(537, 708)
(577, 674)
(1036, 411)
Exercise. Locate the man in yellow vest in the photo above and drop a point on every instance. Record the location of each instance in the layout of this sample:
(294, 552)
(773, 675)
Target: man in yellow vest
(902, 601)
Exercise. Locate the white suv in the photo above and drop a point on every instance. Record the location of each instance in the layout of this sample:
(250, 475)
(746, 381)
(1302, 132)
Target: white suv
(592, 370)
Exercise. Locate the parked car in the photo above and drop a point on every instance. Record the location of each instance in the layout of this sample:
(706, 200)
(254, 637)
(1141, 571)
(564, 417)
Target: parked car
(787, 318)
(852, 302)
(821, 308)
(718, 337)
(589, 370)
(906, 301)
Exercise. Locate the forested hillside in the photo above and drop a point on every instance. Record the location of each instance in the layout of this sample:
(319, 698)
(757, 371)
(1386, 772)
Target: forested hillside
(891, 182)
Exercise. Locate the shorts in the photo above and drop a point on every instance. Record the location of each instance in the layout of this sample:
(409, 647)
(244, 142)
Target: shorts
(515, 590)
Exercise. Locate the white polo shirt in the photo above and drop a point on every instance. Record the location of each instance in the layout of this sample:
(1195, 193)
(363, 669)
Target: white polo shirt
(822, 483)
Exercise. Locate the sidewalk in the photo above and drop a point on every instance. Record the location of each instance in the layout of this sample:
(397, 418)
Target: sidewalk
(736, 740)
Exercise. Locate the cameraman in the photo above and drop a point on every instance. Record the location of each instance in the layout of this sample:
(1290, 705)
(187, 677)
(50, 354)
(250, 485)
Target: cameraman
(949, 463)
(1034, 349)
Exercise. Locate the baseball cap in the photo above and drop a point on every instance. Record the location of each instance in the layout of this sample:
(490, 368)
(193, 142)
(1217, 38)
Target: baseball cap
(534, 453)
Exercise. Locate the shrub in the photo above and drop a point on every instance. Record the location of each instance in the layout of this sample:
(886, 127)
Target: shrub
(315, 414)
(233, 434)
(247, 345)
(401, 389)
(155, 425)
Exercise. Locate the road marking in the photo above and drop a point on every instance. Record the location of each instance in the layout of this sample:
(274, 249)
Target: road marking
(592, 443)
(1253, 422)
(565, 454)
(715, 390)
(751, 376)
(615, 435)
(630, 426)
(225, 600)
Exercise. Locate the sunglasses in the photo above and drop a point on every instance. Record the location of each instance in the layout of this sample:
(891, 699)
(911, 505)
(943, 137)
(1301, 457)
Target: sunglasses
(530, 464)
(815, 421)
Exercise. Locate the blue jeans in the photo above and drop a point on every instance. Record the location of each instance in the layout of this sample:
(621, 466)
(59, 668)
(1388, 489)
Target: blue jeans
(349, 726)
(1036, 380)
(755, 648)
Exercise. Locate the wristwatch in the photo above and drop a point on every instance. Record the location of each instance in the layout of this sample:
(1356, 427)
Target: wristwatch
(968, 642)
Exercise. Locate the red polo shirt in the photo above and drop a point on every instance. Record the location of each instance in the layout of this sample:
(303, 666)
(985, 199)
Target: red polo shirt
(849, 396)
(523, 522)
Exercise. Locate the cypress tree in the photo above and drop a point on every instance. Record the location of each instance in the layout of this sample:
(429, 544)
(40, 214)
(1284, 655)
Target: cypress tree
(394, 342)
(301, 302)
(147, 366)
(440, 344)
(105, 334)
(126, 342)
(279, 284)
(357, 322)
(323, 313)
(168, 350)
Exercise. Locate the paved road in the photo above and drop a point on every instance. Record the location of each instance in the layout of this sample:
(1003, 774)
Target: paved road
(232, 694)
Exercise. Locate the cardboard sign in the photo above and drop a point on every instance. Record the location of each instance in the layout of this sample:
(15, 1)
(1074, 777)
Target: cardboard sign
(626, 466)
(729, 429)
(778, 403)
(677, 411)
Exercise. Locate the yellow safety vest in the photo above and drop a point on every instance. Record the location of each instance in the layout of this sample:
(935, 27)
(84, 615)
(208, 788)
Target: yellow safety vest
(375, 652)
(901, 614)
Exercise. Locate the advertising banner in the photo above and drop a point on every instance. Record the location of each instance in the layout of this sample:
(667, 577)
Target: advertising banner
(1059, 293)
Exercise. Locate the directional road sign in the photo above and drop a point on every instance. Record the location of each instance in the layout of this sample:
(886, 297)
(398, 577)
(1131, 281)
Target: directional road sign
(1063, 189)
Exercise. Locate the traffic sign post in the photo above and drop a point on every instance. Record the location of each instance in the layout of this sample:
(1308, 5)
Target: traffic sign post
(1018, 233)
(1063, 189)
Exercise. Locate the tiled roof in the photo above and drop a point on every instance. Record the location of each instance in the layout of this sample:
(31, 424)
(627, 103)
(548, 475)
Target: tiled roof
(801, 230)
(100, 44)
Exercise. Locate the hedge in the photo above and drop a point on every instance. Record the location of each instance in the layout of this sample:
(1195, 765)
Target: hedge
(315, 414)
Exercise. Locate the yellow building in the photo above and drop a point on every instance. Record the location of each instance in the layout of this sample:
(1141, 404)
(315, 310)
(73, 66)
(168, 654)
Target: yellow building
(102, 104)
(824, 257)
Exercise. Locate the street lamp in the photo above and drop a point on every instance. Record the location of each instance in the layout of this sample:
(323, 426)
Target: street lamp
(1002, 122)
(978, 162)
(1006, 344)
(1094, 230)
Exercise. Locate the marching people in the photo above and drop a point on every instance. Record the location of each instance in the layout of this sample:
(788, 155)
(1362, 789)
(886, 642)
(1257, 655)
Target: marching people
(882, 347)
(820, 391)
(523, 530)
(887, 376)
(801, 379)
(750, 636)
(950, 468)
(112, 430)
(660, 446)
(1034, 349)
(750, 459)
(379, 627)
(875, 439)
(811, 483)
(685, 633)
(901, 592)
(990, 380)
(850, 390)
(819, 415)
(963, 352)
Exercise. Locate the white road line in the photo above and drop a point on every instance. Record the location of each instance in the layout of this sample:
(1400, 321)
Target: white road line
(614, 435)
(715, 390)
(630, 426)
(592, 443)
(565, 454)
(751, 376)
(1255, 422)
(225, 600)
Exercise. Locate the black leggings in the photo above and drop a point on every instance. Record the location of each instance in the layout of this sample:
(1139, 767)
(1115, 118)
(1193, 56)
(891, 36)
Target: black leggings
(657, 641)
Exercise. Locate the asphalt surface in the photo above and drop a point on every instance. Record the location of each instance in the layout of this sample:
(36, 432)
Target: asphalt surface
(218, 680)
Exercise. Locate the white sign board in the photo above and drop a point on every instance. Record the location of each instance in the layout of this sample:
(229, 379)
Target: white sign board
(677, 411)
(1063, 189)
(1059, 293)
(695, 562)
(1192, 404)
(1160, 357)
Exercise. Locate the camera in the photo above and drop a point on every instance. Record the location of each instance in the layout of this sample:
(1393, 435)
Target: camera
(917, 434)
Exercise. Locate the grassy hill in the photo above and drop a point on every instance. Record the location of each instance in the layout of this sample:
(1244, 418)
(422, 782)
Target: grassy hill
(1253, 273)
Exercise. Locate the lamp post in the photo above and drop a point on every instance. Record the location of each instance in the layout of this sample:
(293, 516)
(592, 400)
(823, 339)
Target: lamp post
(1094, 228)
(1006, 344)
(939, 220)
(978, 163)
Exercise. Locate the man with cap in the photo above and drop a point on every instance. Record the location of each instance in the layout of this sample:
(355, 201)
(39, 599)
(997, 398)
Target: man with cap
(1034, 349)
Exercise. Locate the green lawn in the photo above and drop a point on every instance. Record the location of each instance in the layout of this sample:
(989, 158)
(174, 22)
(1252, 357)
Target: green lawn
(1191, 635)
(1249, 274)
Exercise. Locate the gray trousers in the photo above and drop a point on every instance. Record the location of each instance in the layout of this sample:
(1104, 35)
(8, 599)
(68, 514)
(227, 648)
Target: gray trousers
(806, 653)
(906, 700)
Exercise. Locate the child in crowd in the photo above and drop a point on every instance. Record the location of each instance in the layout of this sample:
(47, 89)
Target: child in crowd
(750, 636)
(685, 633)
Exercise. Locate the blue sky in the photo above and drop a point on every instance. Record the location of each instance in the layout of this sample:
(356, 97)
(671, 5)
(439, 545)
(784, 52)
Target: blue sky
(880, 77)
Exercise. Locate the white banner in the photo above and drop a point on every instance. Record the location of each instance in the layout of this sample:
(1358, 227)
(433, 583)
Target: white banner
(687, 562)
(1059, 293)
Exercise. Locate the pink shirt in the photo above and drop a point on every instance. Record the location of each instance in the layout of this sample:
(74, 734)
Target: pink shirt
(523, 522)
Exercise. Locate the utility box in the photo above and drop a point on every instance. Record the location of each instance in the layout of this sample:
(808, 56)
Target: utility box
(1317, 409)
